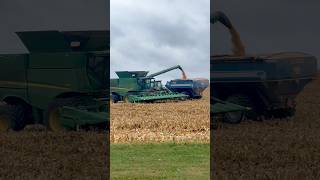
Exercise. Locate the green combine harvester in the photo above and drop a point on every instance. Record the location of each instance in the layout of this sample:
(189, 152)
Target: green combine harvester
(62, 83)
(137, 86)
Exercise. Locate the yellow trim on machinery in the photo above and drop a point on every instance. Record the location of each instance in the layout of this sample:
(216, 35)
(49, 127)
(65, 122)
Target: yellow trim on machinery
(24, 85)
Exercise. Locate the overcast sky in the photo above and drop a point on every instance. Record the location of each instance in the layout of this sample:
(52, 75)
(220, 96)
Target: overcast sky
(153, 35)
(268, 26)
(33, 15)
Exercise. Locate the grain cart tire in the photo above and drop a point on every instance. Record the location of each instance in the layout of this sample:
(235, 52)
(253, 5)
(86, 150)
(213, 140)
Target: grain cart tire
(237, 117)
(12, 117)
(52, 114)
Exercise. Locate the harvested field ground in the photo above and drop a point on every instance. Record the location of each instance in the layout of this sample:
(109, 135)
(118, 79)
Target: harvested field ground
(182, 121)
(272, 149)
(37, 154)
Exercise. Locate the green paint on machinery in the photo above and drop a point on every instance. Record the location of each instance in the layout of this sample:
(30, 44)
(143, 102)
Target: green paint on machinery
(137, 86)
(226, 110)
(63, 82)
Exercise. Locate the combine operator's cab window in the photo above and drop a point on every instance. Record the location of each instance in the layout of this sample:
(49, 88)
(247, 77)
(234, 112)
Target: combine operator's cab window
(98, 68)
(150, 84)
(147, 84)
(158, 85)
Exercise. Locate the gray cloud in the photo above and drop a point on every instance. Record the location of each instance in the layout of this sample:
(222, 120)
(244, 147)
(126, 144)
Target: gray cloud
(153, 35)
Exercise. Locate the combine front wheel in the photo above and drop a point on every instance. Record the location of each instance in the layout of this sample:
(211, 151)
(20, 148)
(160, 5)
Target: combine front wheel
(53, 114)
(4, 120)
(12, 117)
(54, 123)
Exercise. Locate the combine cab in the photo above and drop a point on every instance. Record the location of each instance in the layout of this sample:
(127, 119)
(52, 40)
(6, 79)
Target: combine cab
(62, 83)
(137, 86)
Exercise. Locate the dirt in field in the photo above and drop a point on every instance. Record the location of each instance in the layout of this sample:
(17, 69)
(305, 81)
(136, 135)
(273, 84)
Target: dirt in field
(272, 149)
(181, 121)
(37, 154)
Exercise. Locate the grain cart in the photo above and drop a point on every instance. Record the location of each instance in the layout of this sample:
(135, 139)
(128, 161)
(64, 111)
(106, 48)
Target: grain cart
(137, 86)
(62, 82)
(191, 87)
(268, 84)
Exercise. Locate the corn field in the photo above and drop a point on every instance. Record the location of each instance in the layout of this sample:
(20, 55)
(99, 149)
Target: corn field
(181, 121)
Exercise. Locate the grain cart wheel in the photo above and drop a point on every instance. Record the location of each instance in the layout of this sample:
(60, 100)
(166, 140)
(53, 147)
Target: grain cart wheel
(12, 117)
(237, 117)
